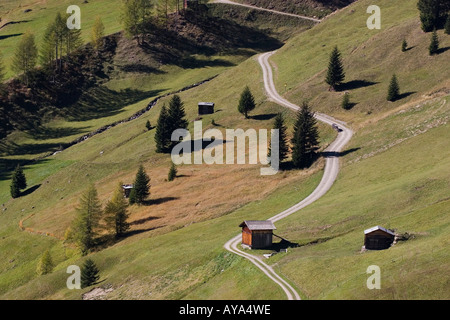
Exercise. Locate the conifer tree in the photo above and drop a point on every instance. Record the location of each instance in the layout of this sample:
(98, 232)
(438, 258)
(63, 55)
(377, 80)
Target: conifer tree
(89, 214)
(172, 172)
(45, 264)
(163, 133)
(18, 182)
(394, 89)
(89, 274)
(25, 56)
(404, 45)
(283, 140)
(434, 43)
(176, 114)
(98, 32)
(116, 213)
(346, 101)
(433, 13)
(141, 186)
(246, 102)
(148, 125)
(48, 47)
(335, 73)
(305, 142)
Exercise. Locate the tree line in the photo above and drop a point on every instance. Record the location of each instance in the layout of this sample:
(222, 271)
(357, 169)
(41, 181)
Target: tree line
(94, 224)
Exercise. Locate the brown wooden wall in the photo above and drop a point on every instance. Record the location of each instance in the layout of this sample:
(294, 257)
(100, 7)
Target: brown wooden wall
(246, 236)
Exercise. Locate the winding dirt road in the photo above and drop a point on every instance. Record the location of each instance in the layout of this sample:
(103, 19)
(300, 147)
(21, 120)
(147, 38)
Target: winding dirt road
(329, 176)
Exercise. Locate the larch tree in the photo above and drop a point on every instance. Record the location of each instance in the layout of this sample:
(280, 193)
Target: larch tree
(116, 213)
(89, 215)
(26, 54)
(305, 141)
(98, 32)
(45, 264)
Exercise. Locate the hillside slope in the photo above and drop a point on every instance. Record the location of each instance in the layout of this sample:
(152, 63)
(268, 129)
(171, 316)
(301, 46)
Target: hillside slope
(395, 173)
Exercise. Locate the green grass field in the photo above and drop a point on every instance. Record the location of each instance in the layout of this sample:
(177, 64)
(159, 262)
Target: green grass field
(395, 173)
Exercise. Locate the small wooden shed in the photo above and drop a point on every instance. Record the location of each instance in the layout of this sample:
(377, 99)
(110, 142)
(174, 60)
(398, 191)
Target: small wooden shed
(205, 108)
(257, 234)
(127, 189)
(378, 238)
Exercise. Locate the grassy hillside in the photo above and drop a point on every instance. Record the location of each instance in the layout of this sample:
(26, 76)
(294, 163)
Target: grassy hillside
(395, 173)
(370, 59)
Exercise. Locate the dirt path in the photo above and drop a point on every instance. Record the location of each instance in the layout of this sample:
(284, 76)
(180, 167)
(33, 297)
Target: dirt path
(268, 10)
(329, 176)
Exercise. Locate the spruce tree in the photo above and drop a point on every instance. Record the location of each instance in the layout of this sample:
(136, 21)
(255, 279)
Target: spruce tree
(346, 102)
(148, 125)
(434, 43)
(141, 186)
(89, 274)
(163, 133)
(305, 141)
(18, 182)
(394, 89)
(279, 124)
(172, 172)
(176, 118)
(335, 73)
(86, 224)
(116, 213)
(433, 13)
(246, 102)
(404, 45)
(45, 264)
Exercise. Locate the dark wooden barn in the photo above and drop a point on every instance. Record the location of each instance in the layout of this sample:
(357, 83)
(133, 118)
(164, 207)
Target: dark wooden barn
(257, 234)
(378, 238)
(205, 108)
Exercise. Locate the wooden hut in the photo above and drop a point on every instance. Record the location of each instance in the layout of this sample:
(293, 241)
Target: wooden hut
(378, 238)
(257, 234)
(127, 189)
(205, 108)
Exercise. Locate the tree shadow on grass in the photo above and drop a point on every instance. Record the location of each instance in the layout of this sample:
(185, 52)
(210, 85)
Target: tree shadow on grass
(101, 102)
(159, 200)
(331, 154)
(7, 166)
(10, 36)
(442, 50)
(30, 190)
(405, 95)
(44, 133)
(355, 84)
(263, 117)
